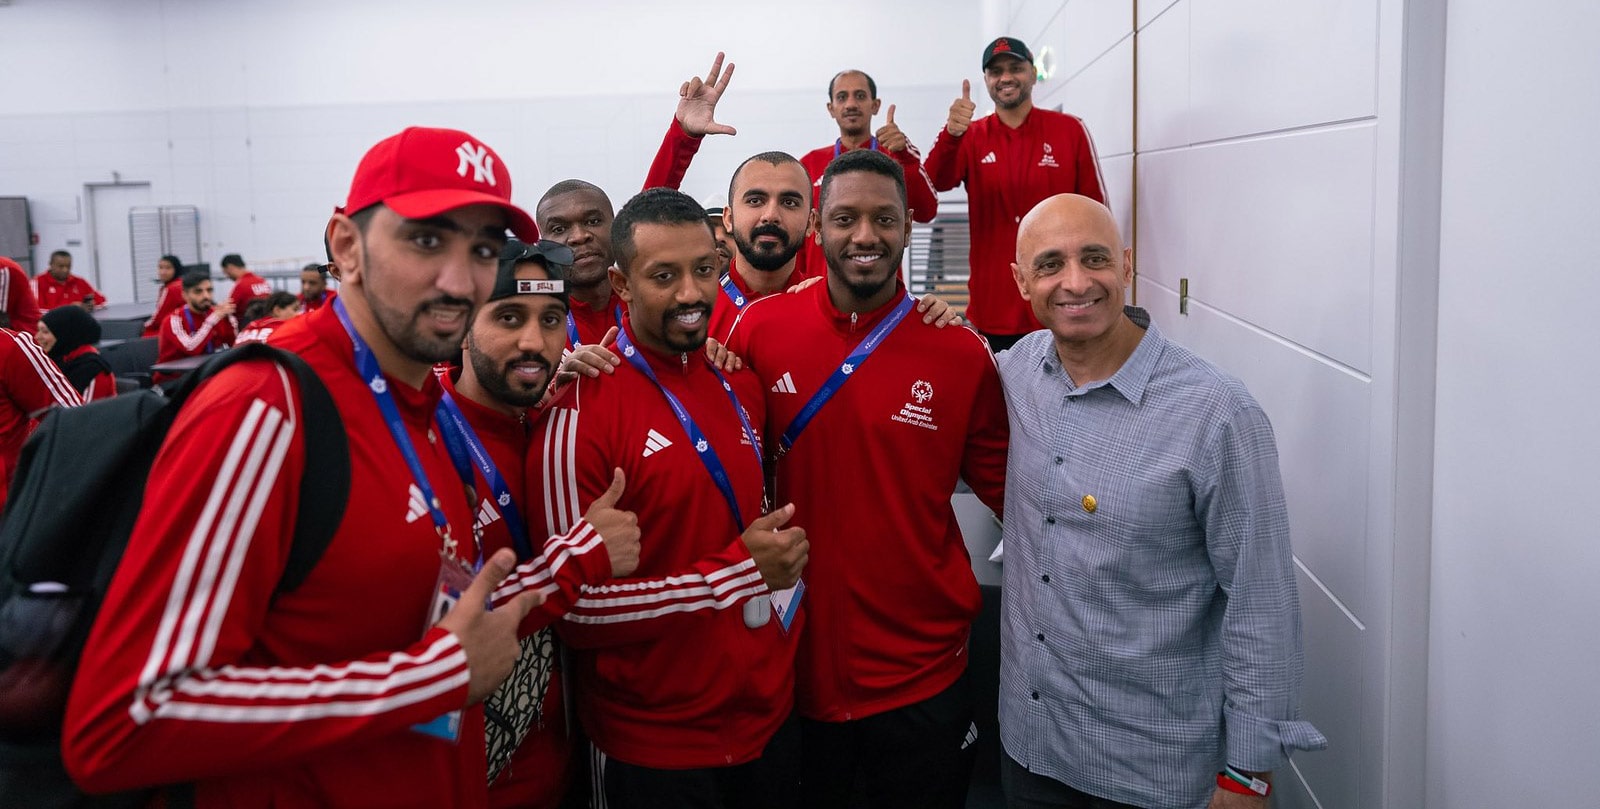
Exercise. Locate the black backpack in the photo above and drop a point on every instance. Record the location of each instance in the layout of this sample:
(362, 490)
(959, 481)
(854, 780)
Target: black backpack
(76, 493)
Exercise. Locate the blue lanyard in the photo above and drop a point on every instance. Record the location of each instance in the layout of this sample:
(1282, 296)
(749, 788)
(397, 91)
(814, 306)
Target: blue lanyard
(188, 323)
(572, 326)
(367, 366)
(732, 292)
(838, 145)
(850, 365)
(463, 443)
(702, 447)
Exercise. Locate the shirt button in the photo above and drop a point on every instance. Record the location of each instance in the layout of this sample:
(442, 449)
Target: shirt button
(1041, 640)
(1059, 460)
(1051, 520)
(1045, 578)
(1036, 695)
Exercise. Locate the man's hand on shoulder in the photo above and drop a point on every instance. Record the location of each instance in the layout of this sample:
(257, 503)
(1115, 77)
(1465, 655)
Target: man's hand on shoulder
(938, 312)
(697, 101)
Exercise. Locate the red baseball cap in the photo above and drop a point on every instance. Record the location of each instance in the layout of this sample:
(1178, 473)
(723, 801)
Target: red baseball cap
(424, 172)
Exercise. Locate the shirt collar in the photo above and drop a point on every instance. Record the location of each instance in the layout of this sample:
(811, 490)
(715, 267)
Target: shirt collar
(1131, 380)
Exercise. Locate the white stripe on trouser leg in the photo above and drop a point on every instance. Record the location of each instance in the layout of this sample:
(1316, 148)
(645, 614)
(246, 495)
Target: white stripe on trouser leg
(597, 778)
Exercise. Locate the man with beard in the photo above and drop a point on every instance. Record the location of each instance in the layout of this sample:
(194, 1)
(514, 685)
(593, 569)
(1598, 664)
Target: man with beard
(349, 689)
(872, 417)
(1009, 161)
(578, 213)
(685, 675)
(509, 357)
(199, 327)
(769, 217)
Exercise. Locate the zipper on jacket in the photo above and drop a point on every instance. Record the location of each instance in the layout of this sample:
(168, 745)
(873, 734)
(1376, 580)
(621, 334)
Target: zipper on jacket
(852, 322)
(685, 359)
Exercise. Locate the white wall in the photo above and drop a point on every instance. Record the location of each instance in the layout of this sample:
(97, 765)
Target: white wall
(1252, 147)
(1512, 698)
(257, 111)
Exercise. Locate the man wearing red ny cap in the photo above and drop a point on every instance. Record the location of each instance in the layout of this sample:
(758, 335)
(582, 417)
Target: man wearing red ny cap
(360, 686)
(1009, 161)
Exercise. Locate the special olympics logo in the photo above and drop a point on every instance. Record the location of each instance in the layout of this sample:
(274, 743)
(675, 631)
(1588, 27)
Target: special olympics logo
(921, 391)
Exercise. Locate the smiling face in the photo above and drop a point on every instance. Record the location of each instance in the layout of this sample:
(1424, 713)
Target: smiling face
(670, 284)
(851, 105)
(1010, 80)
(1073, 270)
(516, 343)
(864, 233)
(581, 220)
(421, 279)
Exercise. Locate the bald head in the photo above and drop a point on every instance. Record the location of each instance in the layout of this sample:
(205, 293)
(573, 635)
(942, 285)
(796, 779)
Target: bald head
(1072, 269)
(1074, 212)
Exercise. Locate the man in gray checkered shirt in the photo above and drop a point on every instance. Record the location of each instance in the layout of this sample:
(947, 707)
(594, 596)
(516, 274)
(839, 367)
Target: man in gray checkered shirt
(1150, 641)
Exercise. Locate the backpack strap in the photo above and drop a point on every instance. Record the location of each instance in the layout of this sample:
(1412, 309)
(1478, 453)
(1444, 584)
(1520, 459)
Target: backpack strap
(325, 483)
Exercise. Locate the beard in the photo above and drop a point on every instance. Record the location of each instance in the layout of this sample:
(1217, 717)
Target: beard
(405, 330)
(767, 259)
(685, 343)
(496, 378)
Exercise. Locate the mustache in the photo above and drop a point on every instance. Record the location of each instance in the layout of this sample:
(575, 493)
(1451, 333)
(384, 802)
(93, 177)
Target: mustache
(445, 300)
(769, 230)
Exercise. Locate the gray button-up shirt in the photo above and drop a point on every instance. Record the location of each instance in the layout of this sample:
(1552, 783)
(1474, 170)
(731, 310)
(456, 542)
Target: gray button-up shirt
(1151, 628)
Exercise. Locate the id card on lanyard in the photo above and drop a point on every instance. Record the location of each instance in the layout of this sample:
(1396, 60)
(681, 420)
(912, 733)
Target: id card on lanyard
(454, 577)
(756, 612)
(786, 602)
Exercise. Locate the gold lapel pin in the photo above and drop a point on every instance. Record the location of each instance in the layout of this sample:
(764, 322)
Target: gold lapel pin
(1089, 503)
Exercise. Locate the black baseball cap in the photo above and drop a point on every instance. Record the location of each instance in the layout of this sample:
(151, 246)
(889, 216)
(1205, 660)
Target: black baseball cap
(1006, 46)
(555, 257)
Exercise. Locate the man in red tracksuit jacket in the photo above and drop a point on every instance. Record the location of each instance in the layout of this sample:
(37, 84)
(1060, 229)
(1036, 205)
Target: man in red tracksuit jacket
(890, 594)
(332, 694)
(578, 213)
(510, 355)
(1010, 161)
(57, 286)
(247, 286)
(17, 300)
(30, 384)
(684, 671)
(769, 217)
(197, 328)
(852, 101)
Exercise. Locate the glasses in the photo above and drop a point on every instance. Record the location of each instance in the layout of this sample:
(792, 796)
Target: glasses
(551, 252)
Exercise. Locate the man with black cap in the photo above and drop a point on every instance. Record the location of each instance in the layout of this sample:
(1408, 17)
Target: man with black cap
(350, 689)
(1009, 161)
(509, 357)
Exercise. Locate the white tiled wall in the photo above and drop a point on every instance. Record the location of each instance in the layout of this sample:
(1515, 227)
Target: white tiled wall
(1242, 145)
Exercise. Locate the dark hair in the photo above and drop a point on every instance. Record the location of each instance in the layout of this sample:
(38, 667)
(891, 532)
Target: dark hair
(872, 86)
(654, 206)
(867, 161)
(194, 279)
(253, 311)
(774, 158)
(279, 299)
(60, 253)
(177, 264)
(569, 186)
(232, 260)
(320, 269)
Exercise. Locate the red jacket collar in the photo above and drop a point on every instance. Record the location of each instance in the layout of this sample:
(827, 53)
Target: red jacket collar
(863, 321)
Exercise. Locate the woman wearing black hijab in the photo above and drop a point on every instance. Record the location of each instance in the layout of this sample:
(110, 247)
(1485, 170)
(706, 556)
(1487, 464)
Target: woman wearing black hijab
(68, 334)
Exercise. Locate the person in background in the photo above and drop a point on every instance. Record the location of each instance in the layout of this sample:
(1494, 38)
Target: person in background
(30, 384)
(199, 327)
(57, 286)
(314, 292)
(247, 286)
(719, 231)
(263, 315)
(1009, 161)
(18, 303)
(169, 274)
(1150, 645)
(70, 337)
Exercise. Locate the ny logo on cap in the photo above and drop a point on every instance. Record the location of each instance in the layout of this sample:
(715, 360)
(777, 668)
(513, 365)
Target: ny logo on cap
(477, 156)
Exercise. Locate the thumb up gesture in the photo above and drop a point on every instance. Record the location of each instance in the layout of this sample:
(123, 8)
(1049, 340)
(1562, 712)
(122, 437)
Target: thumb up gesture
(890, 138)
(961, 111)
